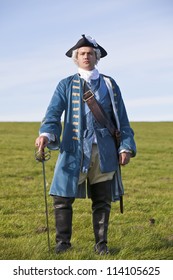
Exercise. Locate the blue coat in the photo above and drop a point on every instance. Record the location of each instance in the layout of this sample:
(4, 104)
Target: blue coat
(67, 98)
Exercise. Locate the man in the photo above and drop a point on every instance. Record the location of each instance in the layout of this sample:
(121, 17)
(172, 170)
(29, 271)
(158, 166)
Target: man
(88, 154)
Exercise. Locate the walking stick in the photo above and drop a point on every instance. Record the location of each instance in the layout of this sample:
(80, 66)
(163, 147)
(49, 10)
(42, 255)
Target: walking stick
(43, 156)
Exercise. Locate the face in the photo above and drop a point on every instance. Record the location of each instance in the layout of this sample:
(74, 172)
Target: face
(86, 58)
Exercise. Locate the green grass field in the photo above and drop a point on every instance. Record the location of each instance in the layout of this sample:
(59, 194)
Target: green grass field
(143, 232)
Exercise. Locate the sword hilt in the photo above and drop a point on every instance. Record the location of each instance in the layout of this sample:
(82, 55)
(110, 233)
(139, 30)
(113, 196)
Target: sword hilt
(42, 155)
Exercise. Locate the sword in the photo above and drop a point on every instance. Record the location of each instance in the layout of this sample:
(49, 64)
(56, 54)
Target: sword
(121, 204)
(43, 156)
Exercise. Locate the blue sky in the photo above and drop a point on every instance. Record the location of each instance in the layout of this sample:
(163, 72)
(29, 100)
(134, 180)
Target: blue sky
(35, 34)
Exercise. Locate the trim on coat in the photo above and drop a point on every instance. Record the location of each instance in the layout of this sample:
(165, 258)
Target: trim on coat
(75, 108)
(112, 95)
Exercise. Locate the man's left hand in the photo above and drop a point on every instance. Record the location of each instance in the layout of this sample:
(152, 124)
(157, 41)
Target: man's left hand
(124, 158)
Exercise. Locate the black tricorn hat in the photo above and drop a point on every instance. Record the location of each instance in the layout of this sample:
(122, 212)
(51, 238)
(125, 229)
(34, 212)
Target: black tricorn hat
(86, 42)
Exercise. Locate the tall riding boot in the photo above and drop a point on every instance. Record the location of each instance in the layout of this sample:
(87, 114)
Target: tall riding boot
(63, 222)
(101, 206)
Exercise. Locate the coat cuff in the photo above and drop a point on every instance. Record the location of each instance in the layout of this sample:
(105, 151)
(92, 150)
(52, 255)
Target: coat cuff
(50, 136)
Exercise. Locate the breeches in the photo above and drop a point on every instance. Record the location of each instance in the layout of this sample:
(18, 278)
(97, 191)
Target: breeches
(94, 173)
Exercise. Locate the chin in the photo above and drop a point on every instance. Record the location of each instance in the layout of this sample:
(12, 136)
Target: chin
(88, 68)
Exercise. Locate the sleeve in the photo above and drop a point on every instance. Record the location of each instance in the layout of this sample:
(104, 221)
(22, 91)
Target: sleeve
(127, 133)
(51, 122)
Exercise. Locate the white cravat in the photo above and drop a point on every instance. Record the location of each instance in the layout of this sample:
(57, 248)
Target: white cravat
(88, 75)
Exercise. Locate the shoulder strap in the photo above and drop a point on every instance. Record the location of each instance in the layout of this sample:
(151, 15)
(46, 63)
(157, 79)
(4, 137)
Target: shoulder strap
(99, 113)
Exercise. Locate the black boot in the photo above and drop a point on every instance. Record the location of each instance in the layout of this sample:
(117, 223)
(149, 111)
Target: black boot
(63, 222)
(101, 206)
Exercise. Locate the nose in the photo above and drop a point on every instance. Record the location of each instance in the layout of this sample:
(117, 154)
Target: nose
(86, 55)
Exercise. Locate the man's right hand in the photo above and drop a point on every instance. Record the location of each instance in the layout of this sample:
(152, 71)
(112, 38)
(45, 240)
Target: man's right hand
(41, 142)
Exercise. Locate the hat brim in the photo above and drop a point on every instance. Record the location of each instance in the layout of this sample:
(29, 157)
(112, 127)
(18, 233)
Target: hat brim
(85, 43)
